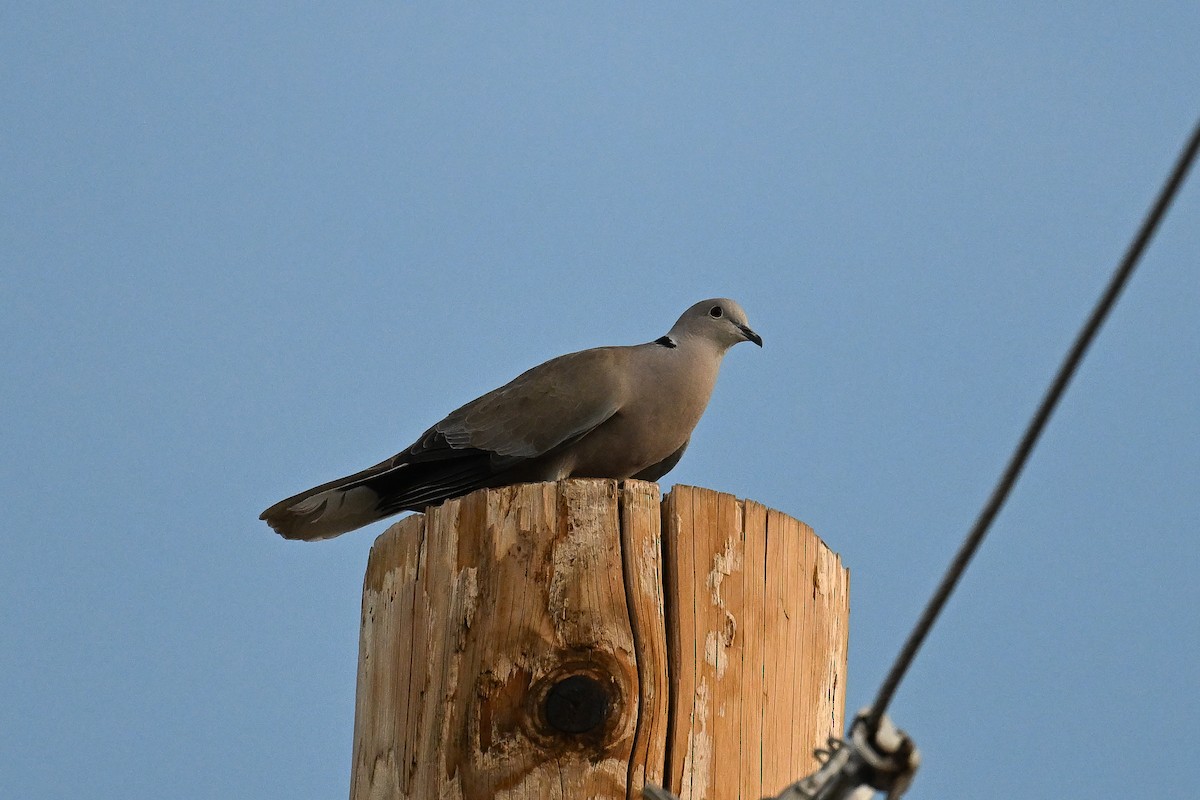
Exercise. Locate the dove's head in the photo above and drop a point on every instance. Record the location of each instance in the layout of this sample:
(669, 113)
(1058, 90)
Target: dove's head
(720, 321)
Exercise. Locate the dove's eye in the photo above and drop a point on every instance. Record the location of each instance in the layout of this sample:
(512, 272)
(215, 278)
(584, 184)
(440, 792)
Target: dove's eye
(715, 312)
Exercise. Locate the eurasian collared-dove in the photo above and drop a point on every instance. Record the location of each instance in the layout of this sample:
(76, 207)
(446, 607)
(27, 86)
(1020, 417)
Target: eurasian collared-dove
(610, 412)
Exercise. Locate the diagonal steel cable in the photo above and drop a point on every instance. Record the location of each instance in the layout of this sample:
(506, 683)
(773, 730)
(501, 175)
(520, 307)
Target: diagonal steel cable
(1020, 456)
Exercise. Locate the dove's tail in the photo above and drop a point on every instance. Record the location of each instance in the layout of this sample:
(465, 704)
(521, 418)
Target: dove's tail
(324, 512)
(390, 487)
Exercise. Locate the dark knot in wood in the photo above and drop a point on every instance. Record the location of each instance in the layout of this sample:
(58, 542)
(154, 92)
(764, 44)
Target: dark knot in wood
(577, 704)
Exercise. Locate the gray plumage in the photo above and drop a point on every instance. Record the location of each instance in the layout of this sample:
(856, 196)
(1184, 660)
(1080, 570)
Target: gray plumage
(609, 412)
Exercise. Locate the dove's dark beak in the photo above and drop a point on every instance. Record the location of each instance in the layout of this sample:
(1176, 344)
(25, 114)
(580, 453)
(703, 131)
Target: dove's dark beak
(750, 335)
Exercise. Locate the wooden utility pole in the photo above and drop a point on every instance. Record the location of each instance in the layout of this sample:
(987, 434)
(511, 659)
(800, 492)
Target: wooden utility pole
(578, 639)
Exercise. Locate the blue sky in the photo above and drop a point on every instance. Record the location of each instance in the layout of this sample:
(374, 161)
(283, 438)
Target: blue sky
(245, 248)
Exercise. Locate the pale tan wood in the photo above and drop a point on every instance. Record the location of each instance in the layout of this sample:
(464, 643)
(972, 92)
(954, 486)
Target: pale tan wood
(754, 583)
(641, 545)
(756, 609)
(382, 702)
(680, 612)
(717, 627)
(474, 611)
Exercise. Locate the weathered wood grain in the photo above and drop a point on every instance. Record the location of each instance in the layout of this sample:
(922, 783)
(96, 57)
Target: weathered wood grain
(574, 640)
(756, 611)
